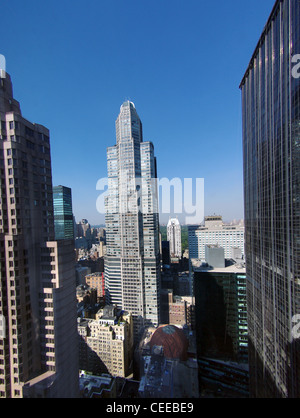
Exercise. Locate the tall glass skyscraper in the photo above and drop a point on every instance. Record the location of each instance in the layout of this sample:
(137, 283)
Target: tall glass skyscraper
(132, 262)
(63, 212)
(271, 142)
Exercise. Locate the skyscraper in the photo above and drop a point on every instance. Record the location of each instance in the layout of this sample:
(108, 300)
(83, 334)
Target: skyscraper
(63, 213)
(132, 261)
(38, 354)
(174, 237)
(271, 143)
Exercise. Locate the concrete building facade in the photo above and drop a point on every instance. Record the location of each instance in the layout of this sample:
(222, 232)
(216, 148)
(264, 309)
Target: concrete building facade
(38, 353)
(106, 343)
(214, 232)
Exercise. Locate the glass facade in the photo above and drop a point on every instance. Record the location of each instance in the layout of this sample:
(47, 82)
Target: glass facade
(63, 213)
(271, 145)
(132, 262)
(221, 309)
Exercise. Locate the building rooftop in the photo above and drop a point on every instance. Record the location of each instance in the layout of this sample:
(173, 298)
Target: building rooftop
(173, 340)
(90, 385)
(202, 266)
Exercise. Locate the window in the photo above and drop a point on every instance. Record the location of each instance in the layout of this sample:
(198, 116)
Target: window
(29, 132)
(30, 145)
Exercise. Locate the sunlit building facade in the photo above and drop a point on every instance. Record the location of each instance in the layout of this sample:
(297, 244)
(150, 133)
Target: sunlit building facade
(132, 261)
(215, 232)
(174, 237)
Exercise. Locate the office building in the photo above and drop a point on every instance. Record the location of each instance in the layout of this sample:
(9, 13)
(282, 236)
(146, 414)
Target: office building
(221, 311)
(106, 343)
(214, 232)
(63, 213)
(174, 237)
(132, 261)
(270, 92)
(38, 352)
(221, 328)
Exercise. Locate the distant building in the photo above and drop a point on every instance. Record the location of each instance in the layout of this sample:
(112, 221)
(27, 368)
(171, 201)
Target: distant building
(96, 281)
(177, 310)
(81, 243)
(84, 230)
(214, 232)
(183, 286)
(81, 273)
(165, 253)
(132, 260)
(174, 237)
(214, 256)
(63, 213)
(96, 265)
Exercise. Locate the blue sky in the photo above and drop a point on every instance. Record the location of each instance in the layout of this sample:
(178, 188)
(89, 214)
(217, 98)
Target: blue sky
(73, 63)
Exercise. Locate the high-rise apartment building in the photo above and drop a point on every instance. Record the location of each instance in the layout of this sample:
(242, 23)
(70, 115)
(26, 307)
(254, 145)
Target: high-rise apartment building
(271, 142)
(38, 354)
(174, 237)
(63, 213)
(132, 261)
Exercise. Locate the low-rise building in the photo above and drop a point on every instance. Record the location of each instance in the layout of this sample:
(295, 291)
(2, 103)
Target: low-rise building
(168, 363)
(96, 281)
(92, 386)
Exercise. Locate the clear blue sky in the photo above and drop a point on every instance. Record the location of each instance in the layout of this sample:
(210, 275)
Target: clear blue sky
(74, 62)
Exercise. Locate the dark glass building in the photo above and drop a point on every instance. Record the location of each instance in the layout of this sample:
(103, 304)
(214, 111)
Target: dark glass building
(221, 328)
(63, 213)
(271, 145)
